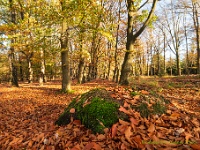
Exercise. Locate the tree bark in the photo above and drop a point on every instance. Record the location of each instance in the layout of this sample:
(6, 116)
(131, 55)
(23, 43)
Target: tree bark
(131, 39)
(13, 67)
(30, 70)
(66, 81)
(116, 69)
(42, 78)
(197, 27)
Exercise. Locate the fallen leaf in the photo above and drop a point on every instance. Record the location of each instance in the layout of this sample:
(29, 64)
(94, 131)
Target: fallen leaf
(128, 134)
(101, 137)
(137, 97)
(122, 109)
(134, 121)
(195, 122)
(145, 92)
(122, 122)
(77, 122)
(174, 116)
(151, 128)
(72, 110)
(114, 130)
(138, 141)
(89, 146)
(126, 105)
(97, 146)
(187, 137)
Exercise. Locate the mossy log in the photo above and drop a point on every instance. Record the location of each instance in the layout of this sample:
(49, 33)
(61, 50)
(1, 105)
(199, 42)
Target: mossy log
(95, 109)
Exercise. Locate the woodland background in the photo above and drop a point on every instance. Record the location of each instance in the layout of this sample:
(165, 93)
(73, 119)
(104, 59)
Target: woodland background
(46, 40)
(145, 53)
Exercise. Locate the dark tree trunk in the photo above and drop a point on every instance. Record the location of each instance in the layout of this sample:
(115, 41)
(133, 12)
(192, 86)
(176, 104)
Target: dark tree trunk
(13, 67)
(196, 26)
(42, 77)
(66, 81)
(131, 39)
(80, 70)
(92, 73)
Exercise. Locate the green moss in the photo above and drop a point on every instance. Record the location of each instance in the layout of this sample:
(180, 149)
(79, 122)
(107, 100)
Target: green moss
(143, 109)
(95, 109)
(134, 93)
(158, 108)
(99, 114)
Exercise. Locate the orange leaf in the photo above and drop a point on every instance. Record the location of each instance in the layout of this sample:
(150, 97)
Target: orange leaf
(138, 140)
(97, 146)
(114, 130)
(72, 110)
(89, 146)
(145, 92)
(187, 137)
(174, 116)
(122, 109)
(77, 122)
(101, 137)
(134, 121)
(195, 146)
(128, 134)
(126, 105)
(122, 122)
(151, 128)
(136, 97)
(195, 122)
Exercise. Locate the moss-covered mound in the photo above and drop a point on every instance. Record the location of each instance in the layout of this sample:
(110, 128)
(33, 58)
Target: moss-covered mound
(96, 110)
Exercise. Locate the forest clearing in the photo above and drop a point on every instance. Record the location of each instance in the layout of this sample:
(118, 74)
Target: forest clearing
(28, 114)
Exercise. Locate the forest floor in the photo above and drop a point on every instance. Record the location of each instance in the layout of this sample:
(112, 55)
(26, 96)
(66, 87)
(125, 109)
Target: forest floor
(28, 114)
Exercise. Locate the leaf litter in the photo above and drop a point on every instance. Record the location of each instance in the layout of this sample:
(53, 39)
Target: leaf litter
(28, 113)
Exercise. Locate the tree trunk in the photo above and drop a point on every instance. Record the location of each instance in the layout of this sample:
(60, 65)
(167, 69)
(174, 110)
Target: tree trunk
(196, 26)
(66, 81)
(116, 69)
(131, 39)
(178, 63)
(42, 78)
(30, 70)
(92, 74)
(13, 67)
(81, 61)
(80, 70)
(164, 54)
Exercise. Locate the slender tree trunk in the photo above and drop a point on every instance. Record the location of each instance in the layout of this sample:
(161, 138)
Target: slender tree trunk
(81, 61)
(197, 29)
(178, 63)
(30, 70)
(164, 54)
(116, 69)
(131, 39)
(187, 49)
(66, 81)
(92, 74)
(80, 70)
(13, 67)
(21, 70)
(42, 78)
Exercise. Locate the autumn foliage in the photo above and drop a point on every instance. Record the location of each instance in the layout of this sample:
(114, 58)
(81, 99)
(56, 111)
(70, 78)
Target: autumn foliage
(28, 113)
